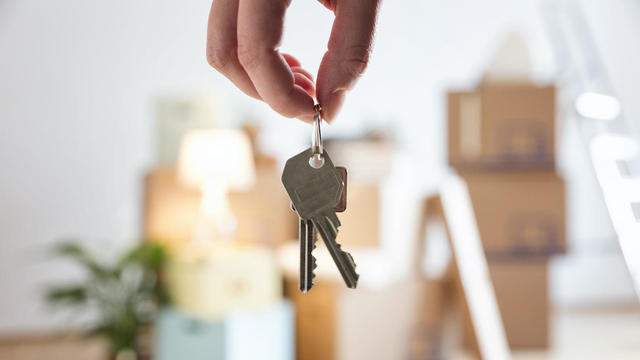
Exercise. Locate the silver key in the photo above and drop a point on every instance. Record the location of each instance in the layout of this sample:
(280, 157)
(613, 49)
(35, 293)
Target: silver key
(314, 192)
(307, 237)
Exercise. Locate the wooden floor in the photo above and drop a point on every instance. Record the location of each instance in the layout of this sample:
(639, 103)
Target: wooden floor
(51, 348)
(577, 334)
(589, 334)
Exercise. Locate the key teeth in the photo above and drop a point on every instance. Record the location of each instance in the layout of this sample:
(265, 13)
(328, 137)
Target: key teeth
(349, 258)
(347, 255)
(353, 264)
(313, 267)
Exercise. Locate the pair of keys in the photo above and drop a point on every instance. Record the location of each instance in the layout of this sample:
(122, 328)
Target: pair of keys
(317, 190)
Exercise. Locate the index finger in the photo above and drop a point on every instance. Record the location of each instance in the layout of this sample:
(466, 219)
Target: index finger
(348, 52)
(260, 24)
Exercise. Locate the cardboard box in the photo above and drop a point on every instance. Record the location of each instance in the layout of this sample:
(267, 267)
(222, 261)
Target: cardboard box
(263, 213)
(177, 115)
(170, 210)
(369, 160)
(519, 215)
(426, 338)
(502, 127)
(337, 323)
(361, 220)
(211, 282)
(523, 298)
(315, 320)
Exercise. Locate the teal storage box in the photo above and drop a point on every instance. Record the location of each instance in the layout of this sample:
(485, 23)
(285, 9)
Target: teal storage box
(266, 334)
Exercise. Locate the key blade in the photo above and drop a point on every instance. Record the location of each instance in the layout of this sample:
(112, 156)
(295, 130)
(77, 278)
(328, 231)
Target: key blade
(327, 226)
(308, 238)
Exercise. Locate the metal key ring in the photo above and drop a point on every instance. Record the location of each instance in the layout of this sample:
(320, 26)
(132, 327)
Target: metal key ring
(316, 161)
(316, 135)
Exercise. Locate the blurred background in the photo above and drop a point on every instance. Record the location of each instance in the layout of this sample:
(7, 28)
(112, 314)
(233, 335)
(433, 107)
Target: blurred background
(142, 203)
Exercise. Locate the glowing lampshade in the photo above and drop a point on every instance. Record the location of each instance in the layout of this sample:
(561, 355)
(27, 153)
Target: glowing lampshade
(216, 161)
(222, 155)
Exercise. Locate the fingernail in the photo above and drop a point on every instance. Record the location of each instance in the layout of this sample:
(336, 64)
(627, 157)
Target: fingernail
(331, 109)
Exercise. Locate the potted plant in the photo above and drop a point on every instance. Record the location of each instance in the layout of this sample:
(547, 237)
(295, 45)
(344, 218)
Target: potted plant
(124, 296)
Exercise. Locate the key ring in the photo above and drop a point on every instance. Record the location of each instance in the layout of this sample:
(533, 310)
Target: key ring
(316, 136)
(316, 161)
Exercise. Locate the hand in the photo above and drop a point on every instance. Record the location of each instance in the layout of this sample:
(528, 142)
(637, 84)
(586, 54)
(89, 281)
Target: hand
(242, 43)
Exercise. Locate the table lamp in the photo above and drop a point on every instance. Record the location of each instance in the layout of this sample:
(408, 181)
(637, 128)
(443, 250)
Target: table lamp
(215, 161)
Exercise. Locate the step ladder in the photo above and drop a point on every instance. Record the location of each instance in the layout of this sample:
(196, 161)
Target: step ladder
(614, 151)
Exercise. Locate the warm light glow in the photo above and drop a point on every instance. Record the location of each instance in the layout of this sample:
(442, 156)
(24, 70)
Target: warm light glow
(222, 155)
(597, 106)
(216, 161)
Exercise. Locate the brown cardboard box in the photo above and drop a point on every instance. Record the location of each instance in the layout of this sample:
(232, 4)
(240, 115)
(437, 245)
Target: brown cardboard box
(315, 317)
(426, 338)
(400, 321)
(170, 210)
(369, 160)
(519, 215)
(502, 127)
(263, 213)
(360, 222)
(522, 293)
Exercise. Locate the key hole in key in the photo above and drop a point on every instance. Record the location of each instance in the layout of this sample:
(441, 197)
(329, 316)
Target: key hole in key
(316, 161)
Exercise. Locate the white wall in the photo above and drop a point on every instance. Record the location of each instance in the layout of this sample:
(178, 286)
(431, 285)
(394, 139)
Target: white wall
(77, 82)
(78, 79)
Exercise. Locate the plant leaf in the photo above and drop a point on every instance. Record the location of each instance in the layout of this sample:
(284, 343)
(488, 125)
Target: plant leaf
(73, 250)
(68, 295)
(149, 255)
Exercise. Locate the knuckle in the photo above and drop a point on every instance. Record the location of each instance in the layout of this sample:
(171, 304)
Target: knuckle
(281, 106)
(248, 55)
(220, 56)
(356, 60)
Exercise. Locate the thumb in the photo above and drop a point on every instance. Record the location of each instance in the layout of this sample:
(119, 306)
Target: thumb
(348, 52)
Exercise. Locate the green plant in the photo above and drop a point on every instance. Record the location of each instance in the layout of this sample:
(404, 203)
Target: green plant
(124, 296)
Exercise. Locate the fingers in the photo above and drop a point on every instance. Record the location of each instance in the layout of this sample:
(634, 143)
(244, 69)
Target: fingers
(291, 60)
(242, 41)
(259, 32)
(222, 45)
(301, 77)
(348, 52)
(298, 69)
(304, 82)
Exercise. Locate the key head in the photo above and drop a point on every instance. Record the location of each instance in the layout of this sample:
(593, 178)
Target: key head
(341, 206)
(312, 191)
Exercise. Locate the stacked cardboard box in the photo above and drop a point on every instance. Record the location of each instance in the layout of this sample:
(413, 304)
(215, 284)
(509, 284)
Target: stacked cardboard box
(368, 162)
(399, 321)
(171, 209)
(502, 142)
